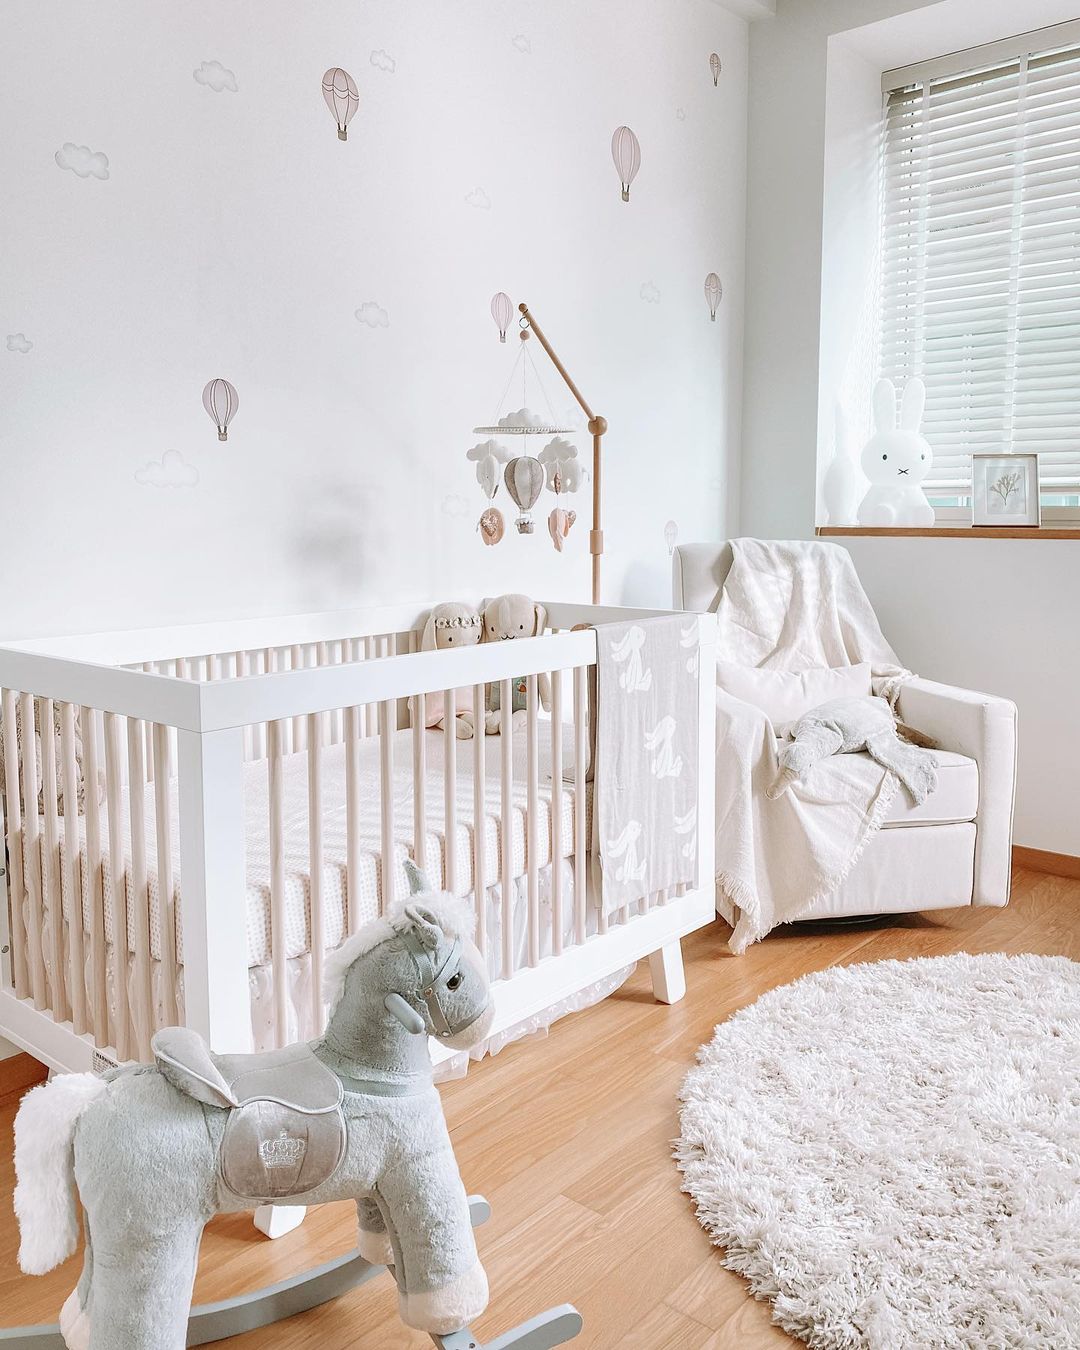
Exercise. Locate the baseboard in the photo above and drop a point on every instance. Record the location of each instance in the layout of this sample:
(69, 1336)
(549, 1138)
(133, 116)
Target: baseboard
(1039, 860)
(18, 1073)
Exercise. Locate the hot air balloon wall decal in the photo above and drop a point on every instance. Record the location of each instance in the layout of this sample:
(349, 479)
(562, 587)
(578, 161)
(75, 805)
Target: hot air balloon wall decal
(626, 152)
(557, 466)
(714, 66)
(342, 98)
(502, 311)
(713, 294)
(221, 401)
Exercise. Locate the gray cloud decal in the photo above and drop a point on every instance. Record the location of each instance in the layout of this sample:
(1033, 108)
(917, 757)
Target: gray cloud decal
(170, 471)
(383, 61)
(215, 76)
(83, 161)
(373, 315)
(18, 342)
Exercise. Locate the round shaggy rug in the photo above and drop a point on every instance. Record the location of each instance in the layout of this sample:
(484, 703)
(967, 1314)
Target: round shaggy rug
(890, 1153)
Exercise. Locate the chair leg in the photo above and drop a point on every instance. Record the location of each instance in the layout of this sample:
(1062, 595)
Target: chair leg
(668, 976)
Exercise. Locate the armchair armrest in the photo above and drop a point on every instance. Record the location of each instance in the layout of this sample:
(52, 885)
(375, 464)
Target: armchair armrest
(984, 728)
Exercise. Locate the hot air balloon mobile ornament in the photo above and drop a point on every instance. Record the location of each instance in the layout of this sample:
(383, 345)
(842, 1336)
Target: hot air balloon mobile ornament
(626, 152)
(342, 98)
(713, 293)
(221, 402)
(714, 66)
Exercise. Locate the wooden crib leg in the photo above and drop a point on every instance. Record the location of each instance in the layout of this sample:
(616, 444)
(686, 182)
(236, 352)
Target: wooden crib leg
(668, 976)
(277, 1220)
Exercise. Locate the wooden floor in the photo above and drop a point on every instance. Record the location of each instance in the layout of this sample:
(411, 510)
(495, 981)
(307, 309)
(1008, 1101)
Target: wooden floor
(569, 1137)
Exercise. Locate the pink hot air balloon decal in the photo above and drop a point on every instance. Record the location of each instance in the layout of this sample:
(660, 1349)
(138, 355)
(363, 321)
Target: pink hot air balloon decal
(340, 92)
(714, 66)
(502, 311)
(524, 478)
(713, 293)
(626, 152)
(220, 400)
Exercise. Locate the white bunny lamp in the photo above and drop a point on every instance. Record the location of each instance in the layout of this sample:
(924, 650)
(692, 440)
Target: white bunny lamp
(896, 459)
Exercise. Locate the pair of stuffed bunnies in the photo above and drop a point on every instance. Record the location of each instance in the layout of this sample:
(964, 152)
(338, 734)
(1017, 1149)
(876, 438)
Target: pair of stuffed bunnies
(457, 624)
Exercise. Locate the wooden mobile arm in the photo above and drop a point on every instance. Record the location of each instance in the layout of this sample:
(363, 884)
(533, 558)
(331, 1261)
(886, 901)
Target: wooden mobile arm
(597, 425)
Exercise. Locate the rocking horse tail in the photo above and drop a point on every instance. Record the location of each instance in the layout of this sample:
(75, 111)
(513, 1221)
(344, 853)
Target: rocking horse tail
(44, 1168)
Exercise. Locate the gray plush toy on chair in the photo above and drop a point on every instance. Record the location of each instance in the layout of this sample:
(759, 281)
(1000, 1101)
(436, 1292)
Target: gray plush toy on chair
(847, 725)
(157, 1149)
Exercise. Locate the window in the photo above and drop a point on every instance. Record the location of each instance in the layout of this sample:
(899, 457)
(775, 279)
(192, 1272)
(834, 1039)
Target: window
(980, 261)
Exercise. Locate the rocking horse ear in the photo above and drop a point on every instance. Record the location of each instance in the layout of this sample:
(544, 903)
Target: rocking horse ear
(418, 882)
(428, 928)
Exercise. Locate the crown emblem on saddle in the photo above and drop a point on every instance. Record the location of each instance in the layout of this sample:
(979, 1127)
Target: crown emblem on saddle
(284, 1151)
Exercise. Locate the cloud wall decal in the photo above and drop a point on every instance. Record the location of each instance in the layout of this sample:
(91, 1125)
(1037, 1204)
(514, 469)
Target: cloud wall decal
(170, 471)
(650, 293)
(383, 61)
(18, 342)
(215, 76)
(478, 198)
(83, 161)
(373, 315)
(522, 43)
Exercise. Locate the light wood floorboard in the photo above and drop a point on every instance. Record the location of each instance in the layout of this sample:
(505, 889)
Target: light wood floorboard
(569, 1137)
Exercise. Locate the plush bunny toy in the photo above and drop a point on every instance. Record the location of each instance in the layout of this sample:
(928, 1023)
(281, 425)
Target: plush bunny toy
(505, 618)
(896, 459)
(449, 625)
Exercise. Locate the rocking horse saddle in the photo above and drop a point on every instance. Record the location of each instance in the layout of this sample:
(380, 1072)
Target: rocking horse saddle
(285, 1131)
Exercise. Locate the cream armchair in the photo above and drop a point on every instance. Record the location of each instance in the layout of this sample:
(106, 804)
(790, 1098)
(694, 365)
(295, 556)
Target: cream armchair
(956, 848)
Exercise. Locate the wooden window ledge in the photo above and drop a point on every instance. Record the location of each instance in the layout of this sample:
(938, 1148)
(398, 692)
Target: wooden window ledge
(954, 531)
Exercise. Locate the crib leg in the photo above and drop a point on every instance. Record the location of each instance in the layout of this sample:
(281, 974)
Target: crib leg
(668, 976)
(277, 1220)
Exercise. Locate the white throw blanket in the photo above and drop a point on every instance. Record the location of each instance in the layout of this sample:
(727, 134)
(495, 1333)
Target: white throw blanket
(791, 606)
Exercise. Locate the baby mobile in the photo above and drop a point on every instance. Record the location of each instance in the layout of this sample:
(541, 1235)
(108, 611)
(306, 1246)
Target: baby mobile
(524, 475)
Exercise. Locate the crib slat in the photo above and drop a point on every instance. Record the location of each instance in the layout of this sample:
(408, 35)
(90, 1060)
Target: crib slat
(72, 869)
(139, 902)
(166, 893)
(450, 787)
(369, 655)
(352, 816)
(387, 714)
(32, 854)
(581, 730)
(315, 872)
(52, 906)
(113, 790)
(532, 778)
(506, 799)
(16, 892)
(556, 814)
(419, 748)
(276, 771)
(99, 1009)
(479, 820)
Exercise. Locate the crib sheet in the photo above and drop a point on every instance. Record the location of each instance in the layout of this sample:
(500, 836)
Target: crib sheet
(334, 872)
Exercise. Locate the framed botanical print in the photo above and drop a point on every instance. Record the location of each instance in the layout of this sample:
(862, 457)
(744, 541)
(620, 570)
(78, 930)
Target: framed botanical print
(1005, 489)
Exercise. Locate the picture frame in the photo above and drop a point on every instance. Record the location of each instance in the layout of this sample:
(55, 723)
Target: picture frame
(1005, 489)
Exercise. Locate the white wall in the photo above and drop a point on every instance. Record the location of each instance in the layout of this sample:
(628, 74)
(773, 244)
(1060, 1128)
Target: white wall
(989, 614)
(236, 235)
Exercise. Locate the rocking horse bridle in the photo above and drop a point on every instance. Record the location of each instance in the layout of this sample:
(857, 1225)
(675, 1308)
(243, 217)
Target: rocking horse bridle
(433, 980)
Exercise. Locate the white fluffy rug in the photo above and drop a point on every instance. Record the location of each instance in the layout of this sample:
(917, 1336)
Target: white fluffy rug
(890, 1153)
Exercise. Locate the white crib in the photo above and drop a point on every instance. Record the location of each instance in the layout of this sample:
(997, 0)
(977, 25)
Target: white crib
(251, 792)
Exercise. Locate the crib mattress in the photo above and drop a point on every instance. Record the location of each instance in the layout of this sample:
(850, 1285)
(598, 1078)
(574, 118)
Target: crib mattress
(297, 925)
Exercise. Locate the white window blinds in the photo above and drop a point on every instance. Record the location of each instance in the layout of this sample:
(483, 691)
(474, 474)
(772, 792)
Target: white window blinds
(980, 261)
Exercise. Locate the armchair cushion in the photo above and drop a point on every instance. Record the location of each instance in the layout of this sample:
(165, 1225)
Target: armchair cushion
(983, 728)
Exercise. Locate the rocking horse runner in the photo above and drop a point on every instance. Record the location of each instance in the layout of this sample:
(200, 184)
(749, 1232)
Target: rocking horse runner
(157, 1150)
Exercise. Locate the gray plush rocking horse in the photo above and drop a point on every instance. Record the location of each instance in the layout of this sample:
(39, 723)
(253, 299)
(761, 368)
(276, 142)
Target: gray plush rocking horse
(157, 1150)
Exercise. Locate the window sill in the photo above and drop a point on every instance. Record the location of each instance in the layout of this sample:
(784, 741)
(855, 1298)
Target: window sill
(955, 531)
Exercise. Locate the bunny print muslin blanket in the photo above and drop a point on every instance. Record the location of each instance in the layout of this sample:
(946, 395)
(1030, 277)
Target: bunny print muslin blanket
(645, 782)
